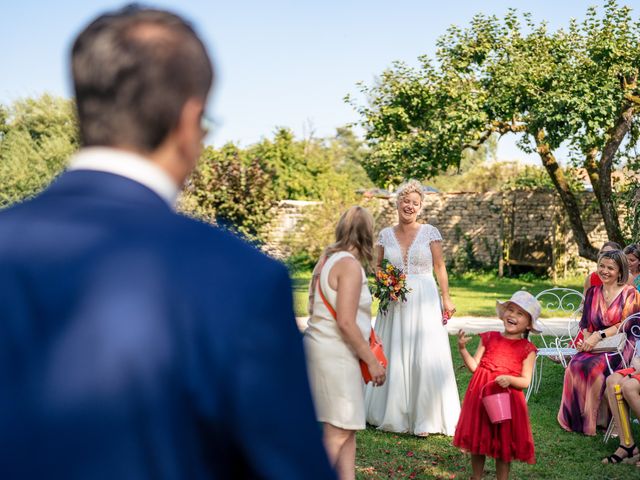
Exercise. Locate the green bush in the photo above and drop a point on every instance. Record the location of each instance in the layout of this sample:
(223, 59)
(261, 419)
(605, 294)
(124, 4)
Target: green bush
(233, 191)
(37, 137)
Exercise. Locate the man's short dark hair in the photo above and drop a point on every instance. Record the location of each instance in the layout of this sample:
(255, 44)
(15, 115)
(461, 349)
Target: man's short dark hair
(133, 71)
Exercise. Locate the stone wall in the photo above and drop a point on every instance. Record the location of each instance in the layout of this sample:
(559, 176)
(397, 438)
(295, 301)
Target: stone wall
(520, 228)
(289, 213)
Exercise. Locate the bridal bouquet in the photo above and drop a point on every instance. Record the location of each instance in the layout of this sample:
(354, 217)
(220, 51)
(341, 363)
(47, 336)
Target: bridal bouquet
(390, 286)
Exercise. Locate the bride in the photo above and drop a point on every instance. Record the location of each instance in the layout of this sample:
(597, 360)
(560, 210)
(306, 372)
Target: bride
(420, 396)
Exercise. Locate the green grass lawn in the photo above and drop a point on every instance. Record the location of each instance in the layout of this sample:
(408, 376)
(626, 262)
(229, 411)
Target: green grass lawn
(560, 455)
(473, 294)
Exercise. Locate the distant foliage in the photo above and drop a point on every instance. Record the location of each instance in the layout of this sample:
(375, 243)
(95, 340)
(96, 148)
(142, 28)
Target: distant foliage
(232, 190)
(239, 187)
(307, 169)
(37, 137)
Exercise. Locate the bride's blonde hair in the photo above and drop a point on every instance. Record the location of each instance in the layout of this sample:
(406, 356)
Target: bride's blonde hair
(354, 230)
(410, 186)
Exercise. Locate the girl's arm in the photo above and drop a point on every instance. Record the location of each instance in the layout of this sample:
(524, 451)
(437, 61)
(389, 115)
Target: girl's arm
(470, 361)
(523, 380)
(346, 278)
(440, 269)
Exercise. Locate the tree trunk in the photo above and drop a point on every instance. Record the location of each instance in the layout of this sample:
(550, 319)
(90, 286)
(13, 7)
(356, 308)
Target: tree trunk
(585, 249)
(607, 206)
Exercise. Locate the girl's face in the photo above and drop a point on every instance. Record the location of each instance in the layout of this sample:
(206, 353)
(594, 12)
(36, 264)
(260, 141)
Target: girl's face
(516, 320)
(633, 262)
(409, 207)
(608, 271)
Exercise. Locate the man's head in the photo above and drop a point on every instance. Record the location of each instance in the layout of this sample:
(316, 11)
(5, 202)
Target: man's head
(138, 75)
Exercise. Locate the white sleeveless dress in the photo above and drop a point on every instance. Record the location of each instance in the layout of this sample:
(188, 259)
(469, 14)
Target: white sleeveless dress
(334, 369)
(420, 395)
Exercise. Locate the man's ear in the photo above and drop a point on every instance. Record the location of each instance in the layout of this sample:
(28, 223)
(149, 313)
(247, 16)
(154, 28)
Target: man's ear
(189, 122)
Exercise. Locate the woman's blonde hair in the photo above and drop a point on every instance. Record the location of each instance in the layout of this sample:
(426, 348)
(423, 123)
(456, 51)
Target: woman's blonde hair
(410, 186)
(354, 230)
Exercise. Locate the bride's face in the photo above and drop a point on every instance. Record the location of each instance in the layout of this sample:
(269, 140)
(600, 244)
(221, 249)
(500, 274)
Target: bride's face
(409, 207)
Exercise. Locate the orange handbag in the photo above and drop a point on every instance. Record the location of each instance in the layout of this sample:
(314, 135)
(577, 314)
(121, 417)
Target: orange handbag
(374, 342)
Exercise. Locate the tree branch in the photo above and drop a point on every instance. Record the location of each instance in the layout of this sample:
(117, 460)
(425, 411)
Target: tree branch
(615, 136)
(585, 249)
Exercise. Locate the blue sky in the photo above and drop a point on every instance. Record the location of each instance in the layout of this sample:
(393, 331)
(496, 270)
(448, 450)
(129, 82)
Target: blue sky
(279, 63)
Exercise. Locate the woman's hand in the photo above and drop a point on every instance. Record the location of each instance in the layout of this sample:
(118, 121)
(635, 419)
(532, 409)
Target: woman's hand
(462, 340)
(588, 344)
(378, 373)
(448, 307)
(503, 380)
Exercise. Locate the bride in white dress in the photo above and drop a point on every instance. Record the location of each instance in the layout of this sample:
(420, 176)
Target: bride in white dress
(420, 395)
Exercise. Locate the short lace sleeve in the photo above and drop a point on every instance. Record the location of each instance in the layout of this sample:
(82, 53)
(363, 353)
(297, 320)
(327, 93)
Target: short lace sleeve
(433, 235)
(382, 237)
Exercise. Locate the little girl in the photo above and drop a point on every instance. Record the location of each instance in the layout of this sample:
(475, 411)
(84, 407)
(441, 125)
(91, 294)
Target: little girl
(502, 360)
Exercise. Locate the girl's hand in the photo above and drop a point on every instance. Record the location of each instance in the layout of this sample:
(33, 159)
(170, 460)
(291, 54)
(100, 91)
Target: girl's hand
(462, 340)
(503, 380)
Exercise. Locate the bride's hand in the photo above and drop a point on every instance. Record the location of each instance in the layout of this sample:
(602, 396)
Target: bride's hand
(448, 307)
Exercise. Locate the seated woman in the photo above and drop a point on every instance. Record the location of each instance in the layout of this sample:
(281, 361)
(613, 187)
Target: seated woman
(629, 381)
(633, 258)
(593, 280)
(605, 306)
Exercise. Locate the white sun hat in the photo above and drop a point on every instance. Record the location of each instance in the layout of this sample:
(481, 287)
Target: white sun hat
(528, 303)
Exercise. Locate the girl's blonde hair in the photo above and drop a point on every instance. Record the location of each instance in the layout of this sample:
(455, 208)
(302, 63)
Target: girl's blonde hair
(354, 230)
(410, 186)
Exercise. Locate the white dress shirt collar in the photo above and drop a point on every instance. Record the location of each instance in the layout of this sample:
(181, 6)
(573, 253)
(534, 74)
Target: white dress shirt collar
(130, 165)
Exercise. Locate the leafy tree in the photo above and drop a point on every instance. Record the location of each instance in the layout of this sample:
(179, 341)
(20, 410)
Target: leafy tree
(37, 137)
(577, 87)
(232, 190)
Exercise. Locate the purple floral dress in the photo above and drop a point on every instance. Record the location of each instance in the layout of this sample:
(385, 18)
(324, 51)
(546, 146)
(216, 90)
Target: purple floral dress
(584, 378)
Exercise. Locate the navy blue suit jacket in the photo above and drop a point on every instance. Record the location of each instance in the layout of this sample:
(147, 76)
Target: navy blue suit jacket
(136, 343)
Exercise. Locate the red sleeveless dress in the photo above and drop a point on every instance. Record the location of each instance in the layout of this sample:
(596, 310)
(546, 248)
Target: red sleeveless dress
(509, 440)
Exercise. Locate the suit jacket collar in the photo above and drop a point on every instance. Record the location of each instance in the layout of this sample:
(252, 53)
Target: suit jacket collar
(109, 187)
(129, 165)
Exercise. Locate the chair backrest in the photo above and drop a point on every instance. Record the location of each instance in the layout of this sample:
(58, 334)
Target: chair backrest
(561, 301)
(631, 326)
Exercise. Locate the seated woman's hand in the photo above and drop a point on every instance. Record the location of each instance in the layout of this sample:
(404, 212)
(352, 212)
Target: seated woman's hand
(588, 344)
(378, 373)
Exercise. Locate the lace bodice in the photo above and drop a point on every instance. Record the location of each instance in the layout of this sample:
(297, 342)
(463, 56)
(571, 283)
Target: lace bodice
(417, 259)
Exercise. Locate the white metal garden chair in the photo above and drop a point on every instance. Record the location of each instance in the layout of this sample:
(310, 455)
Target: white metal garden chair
(630, 326)
(560, 348)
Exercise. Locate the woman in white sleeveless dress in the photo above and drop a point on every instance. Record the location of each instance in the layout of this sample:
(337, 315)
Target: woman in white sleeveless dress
(420, 396)
(334, 345)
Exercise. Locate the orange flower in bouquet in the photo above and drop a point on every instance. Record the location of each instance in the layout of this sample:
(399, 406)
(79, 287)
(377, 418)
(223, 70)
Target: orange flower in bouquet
(390, 286)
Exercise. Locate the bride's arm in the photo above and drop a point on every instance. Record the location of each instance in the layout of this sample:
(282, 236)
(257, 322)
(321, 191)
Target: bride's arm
(440, 270)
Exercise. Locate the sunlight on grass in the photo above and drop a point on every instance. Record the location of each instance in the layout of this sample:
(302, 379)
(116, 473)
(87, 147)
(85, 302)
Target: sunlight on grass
(473, 294)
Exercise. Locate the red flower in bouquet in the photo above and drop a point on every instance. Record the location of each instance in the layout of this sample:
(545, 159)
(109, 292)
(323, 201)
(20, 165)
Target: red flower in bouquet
(390, 286)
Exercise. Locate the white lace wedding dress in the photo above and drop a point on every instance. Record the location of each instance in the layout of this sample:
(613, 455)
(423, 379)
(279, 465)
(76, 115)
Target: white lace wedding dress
(420, 395)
